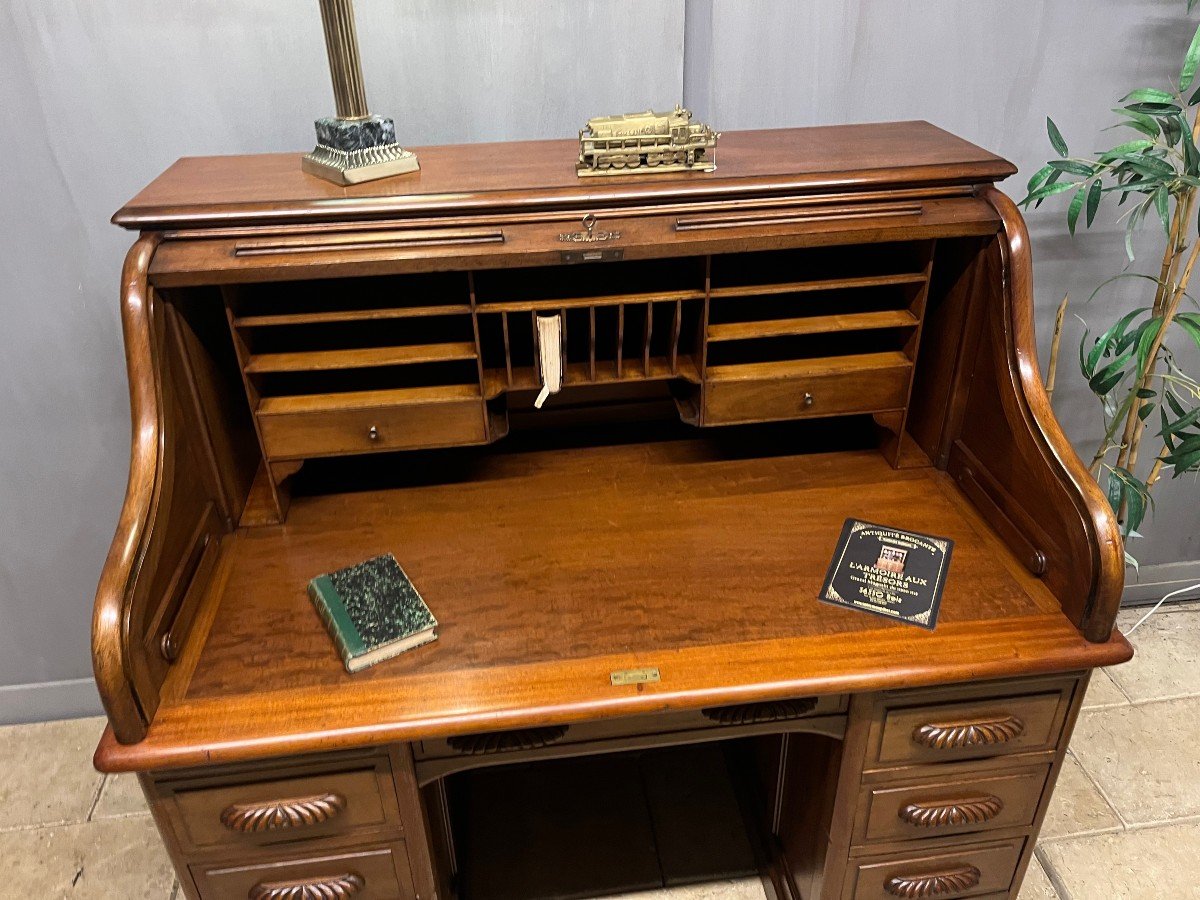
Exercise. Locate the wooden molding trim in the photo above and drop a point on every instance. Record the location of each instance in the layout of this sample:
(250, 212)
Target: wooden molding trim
(505, 741)
(109, 659)
(336, 887)
(937, 884)
(946, 813)
(273, 815)
(815, 214)
(975, 733)
(1108, 563)
(755, 713)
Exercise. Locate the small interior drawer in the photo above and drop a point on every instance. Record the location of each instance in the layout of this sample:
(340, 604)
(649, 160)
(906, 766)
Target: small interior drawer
(439, 422)
(972, 871)
(372, 873)
(284, 808)
(949, 805)
(972, 729)
(790, 390)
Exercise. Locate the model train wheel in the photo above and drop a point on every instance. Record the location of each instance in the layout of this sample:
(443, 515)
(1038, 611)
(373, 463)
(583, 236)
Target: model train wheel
(653, 159)
(617, 162)
(633, 160)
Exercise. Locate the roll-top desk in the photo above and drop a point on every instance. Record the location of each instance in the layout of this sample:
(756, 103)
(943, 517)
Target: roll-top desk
(836, 323)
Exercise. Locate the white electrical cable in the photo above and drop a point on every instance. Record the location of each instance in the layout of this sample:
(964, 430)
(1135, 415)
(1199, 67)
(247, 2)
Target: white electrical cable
(1154, 609)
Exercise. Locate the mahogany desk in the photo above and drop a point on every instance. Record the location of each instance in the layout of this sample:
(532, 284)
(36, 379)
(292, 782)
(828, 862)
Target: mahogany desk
(836, 323)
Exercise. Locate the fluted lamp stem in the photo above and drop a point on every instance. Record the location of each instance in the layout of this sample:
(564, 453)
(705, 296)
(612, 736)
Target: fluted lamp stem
(341, 43)
(354, 145)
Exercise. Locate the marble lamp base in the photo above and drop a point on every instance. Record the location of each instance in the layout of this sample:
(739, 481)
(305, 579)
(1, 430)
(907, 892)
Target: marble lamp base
(350, 151)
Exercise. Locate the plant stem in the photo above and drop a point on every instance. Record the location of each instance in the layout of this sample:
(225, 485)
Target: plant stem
(1052, 369)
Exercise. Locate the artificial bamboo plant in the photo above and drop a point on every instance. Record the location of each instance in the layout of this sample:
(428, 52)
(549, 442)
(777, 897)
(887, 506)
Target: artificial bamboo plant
(1148, 401)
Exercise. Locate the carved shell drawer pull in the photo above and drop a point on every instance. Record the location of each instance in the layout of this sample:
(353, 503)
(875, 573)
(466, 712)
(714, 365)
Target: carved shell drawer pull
(334, 887)
(973, 733)
(756, 713)
(272, 815)
(506, 741)
(934, 884)
(946, 813)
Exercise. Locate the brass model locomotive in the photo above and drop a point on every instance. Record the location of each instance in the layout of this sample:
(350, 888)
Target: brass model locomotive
(646, 142)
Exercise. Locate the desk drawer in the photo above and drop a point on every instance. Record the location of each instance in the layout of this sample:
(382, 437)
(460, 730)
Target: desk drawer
(949, 805)
(271, 810)
(432, 423)
(802, 388)
(372, 873)
(972, 729)
(973, 871)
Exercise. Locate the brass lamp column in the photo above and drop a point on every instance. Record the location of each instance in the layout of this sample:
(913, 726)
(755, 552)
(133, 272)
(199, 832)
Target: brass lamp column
(354, 145)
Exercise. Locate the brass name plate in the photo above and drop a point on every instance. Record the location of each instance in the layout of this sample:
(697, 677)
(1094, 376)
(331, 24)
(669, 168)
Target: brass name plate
(633, 676)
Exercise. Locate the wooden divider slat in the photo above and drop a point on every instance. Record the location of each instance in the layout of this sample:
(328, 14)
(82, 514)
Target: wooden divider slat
(620, 336)
(507, 347)
(646, 338)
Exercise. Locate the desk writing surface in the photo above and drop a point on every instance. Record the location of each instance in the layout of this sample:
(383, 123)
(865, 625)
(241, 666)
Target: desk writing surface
(549, 569)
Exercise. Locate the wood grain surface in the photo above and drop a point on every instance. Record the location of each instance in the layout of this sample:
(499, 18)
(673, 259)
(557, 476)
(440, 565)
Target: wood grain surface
(550, 591)
(200, 191)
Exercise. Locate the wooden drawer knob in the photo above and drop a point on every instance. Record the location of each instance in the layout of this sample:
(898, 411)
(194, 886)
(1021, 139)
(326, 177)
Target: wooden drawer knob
(505, 741)
(330, 888)
(944, 813)
(271, 815)
(974, 733)
(934, 884)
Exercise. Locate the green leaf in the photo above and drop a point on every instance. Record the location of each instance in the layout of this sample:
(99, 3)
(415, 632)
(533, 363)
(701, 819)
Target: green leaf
(1075, 208)
(1049, 190)
(1115, 492)
(1148, 95)
(1093, 201)
(1146, 411)
(1190, 323)
(1146, 335)
(1130, 560)
(1133, 492)
(1188, 75)
(1185, 455)
(1072, 167)
(1110, 376)
(1155, 109)
(1147, 125)
(1056, 138)
(1191, 156)
(1195, 98)
(1038, 177)
(1181, 424)
(1175, 405)
(1132, 147)
(1161, 198)
(1172, 130)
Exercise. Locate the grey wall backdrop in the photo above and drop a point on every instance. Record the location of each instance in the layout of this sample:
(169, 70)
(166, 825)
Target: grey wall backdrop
(99, 97)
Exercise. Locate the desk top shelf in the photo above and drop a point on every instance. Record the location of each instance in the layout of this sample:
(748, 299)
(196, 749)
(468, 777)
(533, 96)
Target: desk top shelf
(549, 569)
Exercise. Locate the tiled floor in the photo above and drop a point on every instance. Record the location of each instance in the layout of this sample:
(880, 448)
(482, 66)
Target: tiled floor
(1125, 824)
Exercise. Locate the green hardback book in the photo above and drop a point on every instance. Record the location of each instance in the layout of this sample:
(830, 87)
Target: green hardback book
(372, 611)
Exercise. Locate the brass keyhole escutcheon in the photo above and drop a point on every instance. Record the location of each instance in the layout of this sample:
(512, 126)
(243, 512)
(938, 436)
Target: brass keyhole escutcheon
(589, 222)
(373, 433)
(808, 399)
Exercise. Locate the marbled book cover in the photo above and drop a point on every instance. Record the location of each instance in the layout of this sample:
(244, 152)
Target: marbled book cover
(372, 611)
